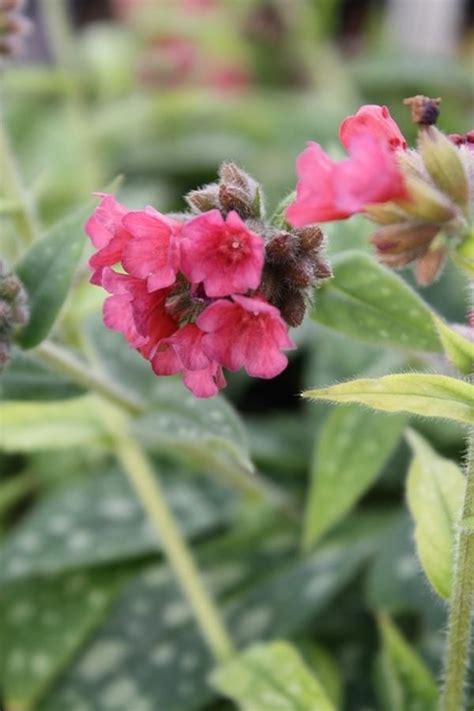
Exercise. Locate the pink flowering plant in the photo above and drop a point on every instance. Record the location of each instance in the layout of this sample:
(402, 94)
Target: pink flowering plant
(185, 564)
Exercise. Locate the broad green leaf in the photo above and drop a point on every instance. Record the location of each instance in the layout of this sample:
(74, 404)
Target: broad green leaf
(268, 677)
(46, 271)
(42, 625)
(26, 379)
(326, 669)
(368, 302)
(203, 434)
(158, 657)
(458, 349)
(101, 520)
(404, 681)
(395, 581)
(416, 393)
(353, 447)
(30, 426)
(435, 489)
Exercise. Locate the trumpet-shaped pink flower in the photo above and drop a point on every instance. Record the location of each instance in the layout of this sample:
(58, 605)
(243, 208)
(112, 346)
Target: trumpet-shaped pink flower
(221, 253)
(334, 190)
(108, 234)
(375, 121)
(138, 314)
(246, 332)
(183, 353)
(153, 253)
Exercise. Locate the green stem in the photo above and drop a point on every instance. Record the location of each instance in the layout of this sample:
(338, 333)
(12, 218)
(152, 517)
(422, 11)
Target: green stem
(149, 490)
(64, 362)
(25, 214)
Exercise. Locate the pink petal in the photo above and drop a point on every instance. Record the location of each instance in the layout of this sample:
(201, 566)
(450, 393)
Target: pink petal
(374, 121)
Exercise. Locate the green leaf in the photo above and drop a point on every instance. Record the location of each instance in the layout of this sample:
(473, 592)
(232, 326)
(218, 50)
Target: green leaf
(404, 681)
(100, 520)
(395, 582)
(326, 668)
(204, 434)
(416, 393)
(353, 447)
(26, 379)
(31, 426)
(271, 676)
(368, 302)
(160, 659)
(46, 271)
(458, 349)
(435, 490)
(42, 625)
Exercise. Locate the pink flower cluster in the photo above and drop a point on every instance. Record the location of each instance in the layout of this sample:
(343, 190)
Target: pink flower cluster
(333, 190)
(186, 296)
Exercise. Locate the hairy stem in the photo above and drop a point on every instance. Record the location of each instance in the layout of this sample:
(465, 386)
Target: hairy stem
(64, 362)
(149, 490)
(462, 599)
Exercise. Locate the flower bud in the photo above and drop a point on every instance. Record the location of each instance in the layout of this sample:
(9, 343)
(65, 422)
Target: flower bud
(443, 163)
(310, 237)
(424, 111)
(206, 198)
(13, 311)
(429, 266)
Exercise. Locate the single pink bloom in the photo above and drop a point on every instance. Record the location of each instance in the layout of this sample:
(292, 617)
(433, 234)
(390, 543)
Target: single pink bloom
(246, 332)
(374, 121)
(182, 353)
(139, 315)
(222, 253)
(153, 253)
(107, 233)
(334, 190)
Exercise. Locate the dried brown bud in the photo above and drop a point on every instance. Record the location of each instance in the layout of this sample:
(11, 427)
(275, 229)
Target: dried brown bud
(424, 111)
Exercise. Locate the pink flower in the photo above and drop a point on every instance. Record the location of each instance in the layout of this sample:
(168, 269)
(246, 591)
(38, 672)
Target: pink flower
(222, 253)
(245, 332)
(153, 253)
(183, 353)
(139, 315)
(108, 234)
(331, 190)
(375, 121)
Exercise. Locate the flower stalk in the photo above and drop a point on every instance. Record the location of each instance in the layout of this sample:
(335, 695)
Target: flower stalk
(147, 485)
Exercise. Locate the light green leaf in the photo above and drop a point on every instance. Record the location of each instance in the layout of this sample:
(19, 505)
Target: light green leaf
(326, 668)
(268, 677)
(42, 625)
(368, 302)
(353, 447)
(435, 490)
(46, 271)
(100, 520)
(278, 218)
(458, 349)
(416, 393)
(404, 681)
(31, 426)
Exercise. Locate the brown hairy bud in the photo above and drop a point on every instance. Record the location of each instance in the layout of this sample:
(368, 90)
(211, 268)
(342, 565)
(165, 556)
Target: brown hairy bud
(424, 111)
(204, 199)
(293, 309)
(232, 197)
(281, 247)
(230, 174)
(429, 266)
(310, 238)
(13, 311)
